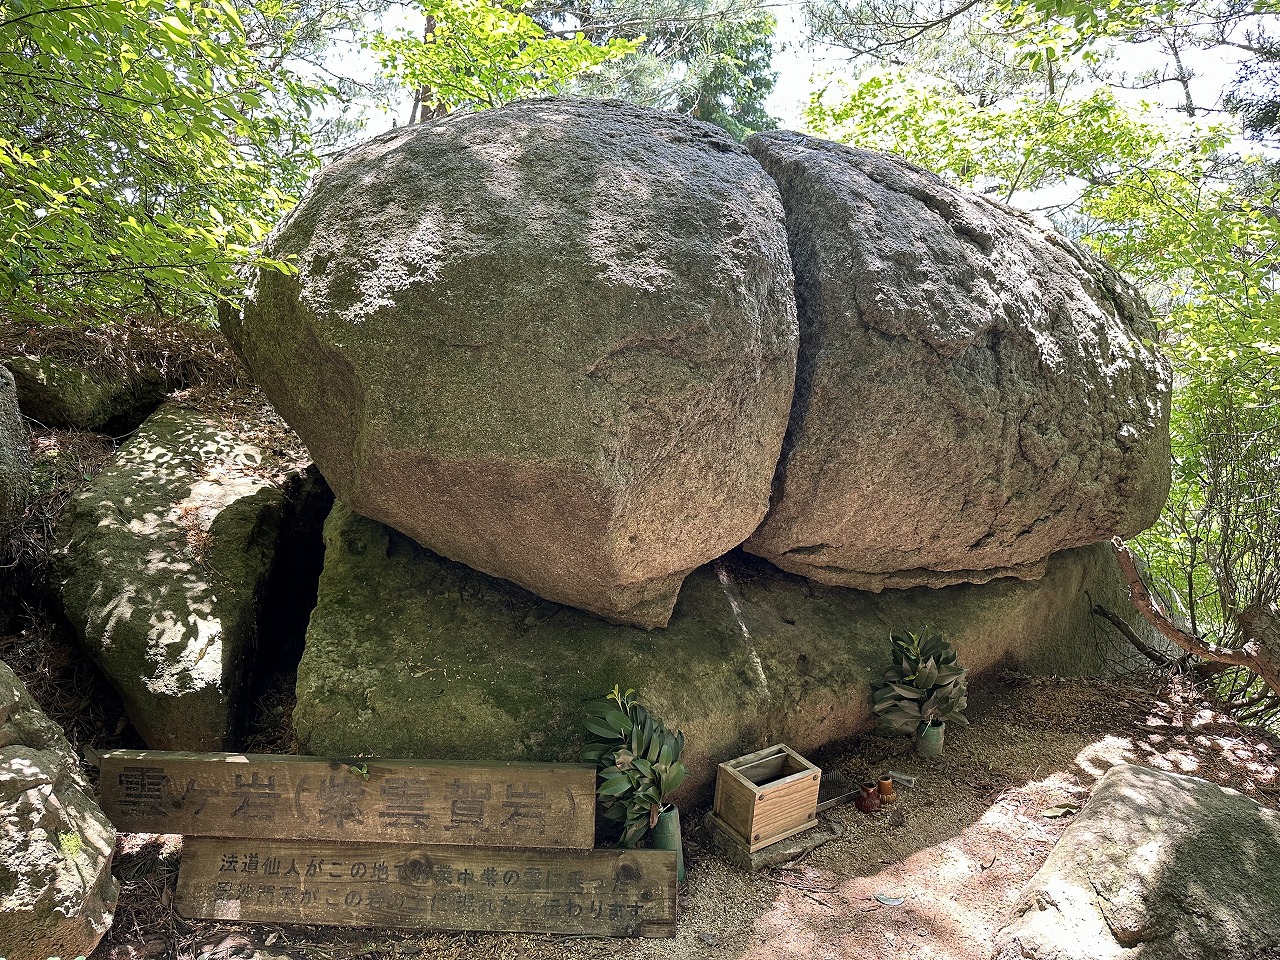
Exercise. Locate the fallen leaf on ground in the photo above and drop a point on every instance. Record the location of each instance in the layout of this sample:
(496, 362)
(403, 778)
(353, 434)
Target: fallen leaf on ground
(1061, 810)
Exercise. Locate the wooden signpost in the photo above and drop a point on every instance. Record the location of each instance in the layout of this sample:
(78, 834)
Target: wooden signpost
(535, 805)
(420, 844)
(602, 893)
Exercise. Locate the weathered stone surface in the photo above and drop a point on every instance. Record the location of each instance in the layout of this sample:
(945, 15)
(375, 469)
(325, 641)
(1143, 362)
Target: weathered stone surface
(410, 655)
(973, 393)
(15, 457)
(167, 552)
(66, 395)
(554, 341)
(57, 894)
(1156, 866)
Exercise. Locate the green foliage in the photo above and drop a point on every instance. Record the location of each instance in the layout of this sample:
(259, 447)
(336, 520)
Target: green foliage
(1021, 142)
(638, 763)
(924, 687)
(1254, 95)
(729, 80)
(1062, 28)
(476, 54)
(706, 58)
(1047, 34)
(1158, 197)
(145, 147)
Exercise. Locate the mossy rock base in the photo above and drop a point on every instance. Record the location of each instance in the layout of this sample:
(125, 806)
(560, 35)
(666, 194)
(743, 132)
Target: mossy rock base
(410, 655)
(15, 457)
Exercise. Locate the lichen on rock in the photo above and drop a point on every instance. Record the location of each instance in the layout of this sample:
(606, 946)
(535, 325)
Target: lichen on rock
(166, 553)
(57, 894)
(1156, 866)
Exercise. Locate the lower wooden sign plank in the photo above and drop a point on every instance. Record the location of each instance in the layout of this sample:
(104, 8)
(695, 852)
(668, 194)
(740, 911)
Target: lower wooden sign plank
(539, 805)
(604, 893)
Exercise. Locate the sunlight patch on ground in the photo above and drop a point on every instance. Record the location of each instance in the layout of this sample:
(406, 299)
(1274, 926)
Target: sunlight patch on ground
(956, 893)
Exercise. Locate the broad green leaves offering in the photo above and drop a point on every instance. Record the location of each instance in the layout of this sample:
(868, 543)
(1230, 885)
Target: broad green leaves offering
(477, 54)
(637, 760)
(144, 149)
(924, 686)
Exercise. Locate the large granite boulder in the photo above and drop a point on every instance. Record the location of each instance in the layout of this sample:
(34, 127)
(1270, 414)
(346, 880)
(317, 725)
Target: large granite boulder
(554, 341)
(65, 394)
(1157, 866)
(410, 655)
(168, 551)
(57, 894)
(974, 392)
(15, 457)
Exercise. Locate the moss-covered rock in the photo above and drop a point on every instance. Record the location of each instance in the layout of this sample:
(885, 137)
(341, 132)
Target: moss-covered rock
(66, 395)
(1157, 866)
(410, 655)
(57, 894)
(167, 552)
(15, 457)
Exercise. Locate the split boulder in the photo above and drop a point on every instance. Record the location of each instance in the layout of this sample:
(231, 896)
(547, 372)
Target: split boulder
(553, 341)
(1157, 866)
(57, 895)
(974, 392)
(167, 553)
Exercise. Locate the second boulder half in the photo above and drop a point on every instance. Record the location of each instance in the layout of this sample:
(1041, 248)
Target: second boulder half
(554, 341)
(973, 394)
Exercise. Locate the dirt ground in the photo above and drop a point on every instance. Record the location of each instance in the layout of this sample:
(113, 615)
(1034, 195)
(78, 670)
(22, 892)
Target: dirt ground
(955, 850)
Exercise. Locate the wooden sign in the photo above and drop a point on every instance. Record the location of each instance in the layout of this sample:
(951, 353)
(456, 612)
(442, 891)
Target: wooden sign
(248, 796)
(602, 893)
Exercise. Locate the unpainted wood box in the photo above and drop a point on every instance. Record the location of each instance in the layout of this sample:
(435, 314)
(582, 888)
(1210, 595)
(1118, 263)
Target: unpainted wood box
(767, 796)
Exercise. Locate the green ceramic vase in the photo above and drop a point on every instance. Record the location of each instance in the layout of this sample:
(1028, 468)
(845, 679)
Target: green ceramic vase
(666, 836)
(929, 744)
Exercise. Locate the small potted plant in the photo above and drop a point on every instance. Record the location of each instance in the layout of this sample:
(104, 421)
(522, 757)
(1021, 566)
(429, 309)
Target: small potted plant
(638, 764)
(923, 689)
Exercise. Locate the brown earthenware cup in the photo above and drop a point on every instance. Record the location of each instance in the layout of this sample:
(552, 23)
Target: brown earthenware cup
(887, 794)
(868, 801)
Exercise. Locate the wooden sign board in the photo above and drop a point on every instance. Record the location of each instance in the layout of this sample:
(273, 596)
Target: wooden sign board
(535, 805)
(602, 893)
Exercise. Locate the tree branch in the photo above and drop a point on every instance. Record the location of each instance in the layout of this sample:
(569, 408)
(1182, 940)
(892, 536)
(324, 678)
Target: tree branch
(1155, 656)
(45, 12)
(1255, 625)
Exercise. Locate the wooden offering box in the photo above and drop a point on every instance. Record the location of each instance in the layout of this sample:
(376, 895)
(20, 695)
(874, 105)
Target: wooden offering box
(767, 796)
